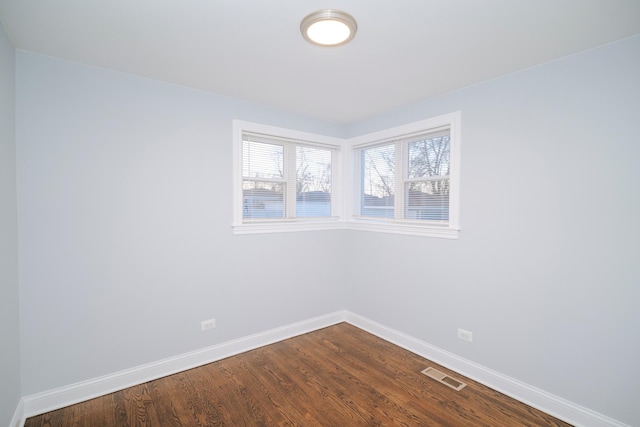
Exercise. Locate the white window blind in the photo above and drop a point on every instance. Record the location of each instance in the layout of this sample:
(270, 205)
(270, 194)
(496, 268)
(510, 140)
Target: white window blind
(285, 179)
(313, 182)
(426, 186)
(378, 181)
(263, 180)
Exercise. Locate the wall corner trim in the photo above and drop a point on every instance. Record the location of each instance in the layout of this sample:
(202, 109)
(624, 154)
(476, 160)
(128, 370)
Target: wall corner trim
(18, 416)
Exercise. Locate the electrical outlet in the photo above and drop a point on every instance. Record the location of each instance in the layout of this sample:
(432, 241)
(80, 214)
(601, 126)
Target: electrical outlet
(465, 335)
(208, 324)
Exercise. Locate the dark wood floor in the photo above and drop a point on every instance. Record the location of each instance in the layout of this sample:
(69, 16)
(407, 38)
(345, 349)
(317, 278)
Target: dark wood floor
(337, 376)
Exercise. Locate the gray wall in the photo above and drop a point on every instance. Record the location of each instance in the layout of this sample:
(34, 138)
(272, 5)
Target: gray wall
(546, 272)
(10, 391)
(125, 241)
(125, 222)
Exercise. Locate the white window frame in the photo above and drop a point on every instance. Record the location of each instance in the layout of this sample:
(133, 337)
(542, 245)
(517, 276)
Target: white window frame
(398, 225)
(345, 195)
(291, 138)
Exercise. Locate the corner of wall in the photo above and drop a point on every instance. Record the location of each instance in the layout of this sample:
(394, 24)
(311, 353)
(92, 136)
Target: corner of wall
(10, 381)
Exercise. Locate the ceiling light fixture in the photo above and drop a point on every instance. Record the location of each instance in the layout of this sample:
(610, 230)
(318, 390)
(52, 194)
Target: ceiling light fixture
(328, 27)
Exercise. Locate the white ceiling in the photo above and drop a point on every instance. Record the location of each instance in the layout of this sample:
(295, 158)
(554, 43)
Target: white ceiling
(404, 51)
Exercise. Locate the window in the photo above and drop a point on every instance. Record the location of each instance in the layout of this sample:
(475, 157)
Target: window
(263, 179)
(422, 188)
(402, 180)
(407, 178)
(378, 181)
(426, 183)
(286, 181)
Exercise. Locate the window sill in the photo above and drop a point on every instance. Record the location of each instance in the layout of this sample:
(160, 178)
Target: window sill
(405, 228)
(284, 226)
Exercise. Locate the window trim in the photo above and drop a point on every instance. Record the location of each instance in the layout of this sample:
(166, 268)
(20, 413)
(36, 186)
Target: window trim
(290, 136)
(403, 226)
(345, 180)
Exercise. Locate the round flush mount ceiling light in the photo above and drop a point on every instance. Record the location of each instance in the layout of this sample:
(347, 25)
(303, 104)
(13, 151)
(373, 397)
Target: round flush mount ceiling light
(328, 27)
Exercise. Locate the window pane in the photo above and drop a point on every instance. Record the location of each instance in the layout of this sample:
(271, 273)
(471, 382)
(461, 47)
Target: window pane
(260, 160)
(428, 200)
(313, 182)
(378, 181)
(429, 157)
(261, 199)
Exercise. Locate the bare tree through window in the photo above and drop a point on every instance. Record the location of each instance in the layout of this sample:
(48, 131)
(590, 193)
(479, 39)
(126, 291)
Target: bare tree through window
(426, 179)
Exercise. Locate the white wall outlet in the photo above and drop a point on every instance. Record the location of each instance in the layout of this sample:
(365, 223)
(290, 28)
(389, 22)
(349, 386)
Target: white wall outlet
(208, 324)
(465, 335)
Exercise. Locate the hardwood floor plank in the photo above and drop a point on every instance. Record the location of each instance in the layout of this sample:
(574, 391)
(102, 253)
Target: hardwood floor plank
(337, 376)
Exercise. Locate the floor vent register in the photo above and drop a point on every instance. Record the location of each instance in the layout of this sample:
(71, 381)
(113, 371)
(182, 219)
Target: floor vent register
(444, 379)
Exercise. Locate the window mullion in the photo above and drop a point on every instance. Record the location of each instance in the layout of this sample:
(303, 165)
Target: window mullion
(290, 177)
(400, 175)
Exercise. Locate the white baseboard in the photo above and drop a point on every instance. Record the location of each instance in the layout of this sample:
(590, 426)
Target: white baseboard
(54, 399)
(68, 395)
(18, 416)
(532, 396)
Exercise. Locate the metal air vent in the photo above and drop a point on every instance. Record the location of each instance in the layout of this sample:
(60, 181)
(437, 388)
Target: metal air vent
(444, 379)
